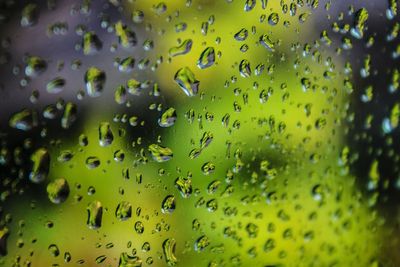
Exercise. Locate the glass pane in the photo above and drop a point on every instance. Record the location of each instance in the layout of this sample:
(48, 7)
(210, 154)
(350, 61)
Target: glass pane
(199, 133)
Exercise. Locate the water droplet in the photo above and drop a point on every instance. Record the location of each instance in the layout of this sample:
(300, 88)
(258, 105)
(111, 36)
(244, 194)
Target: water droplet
(24, 120)
(120, 95)
(106, 136)
(126, 37)
(361, 17)
(169, 251)
(65, 156)
(56, 85)
(92, 162)
(126, 65)
(134, 87)
(139, 227)
(69, 115)
(123, 211)
(94, 80)
(207, 58)
(168, 118)
(30, 15)
(54, 251)
(160, 153)
(201, 243)
(208, 168)
(126, 260)
(119, 155)
(91, 43)
(94, 214)
(137, 16)
(184, 186)
(100, 259)
(244, 68)
(41, 165)
(241, 35)
(168, 204)
(182, 49)
(4, 234)
(184, 77)
(35, 66)
(273, 18)
(206, 139)
(264, 4)
(267, 43)
(194, 153)
(249, 5)
(58, 190)
(67, 257)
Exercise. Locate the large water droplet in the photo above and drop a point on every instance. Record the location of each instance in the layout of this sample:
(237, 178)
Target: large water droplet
(56, 85)
(182, 49)
(267, 43)
(123, 211)
(169, 251)
(160, 153)
(126, 260)
(184, 186)
(106, 136)
(201, 243)
(24, 120)
(91, 43)
(207, 58)
(244, 68)
(94, 214)
(94, 80)
(41, 165)
(58, 190)
(184, 77)
(168, 118)
(35, 66)
(168, 205)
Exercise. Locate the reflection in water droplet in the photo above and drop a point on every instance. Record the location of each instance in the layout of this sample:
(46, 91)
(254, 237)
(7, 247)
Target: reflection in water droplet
(94, 80)
(168, 204)
(244, 68)
(207, 58)
(4, 234)
(201, 243)
(56, 85)
(169, 251)
(35, 66)
(100, 259)
(249, 5)
(24, 120)
(41, 165)
(106, 136)
(123, 211)
(265, 40)
(160, 153)
(184, 77)
(69, 115)
(126, 260)
(54, 250)
(241, 35)
(91, 43)
(182, 49)
(94, 214)
(168, 118)
(184, 186)
(92, 162)
(58, 190)
(126, 37)
(30, 15)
